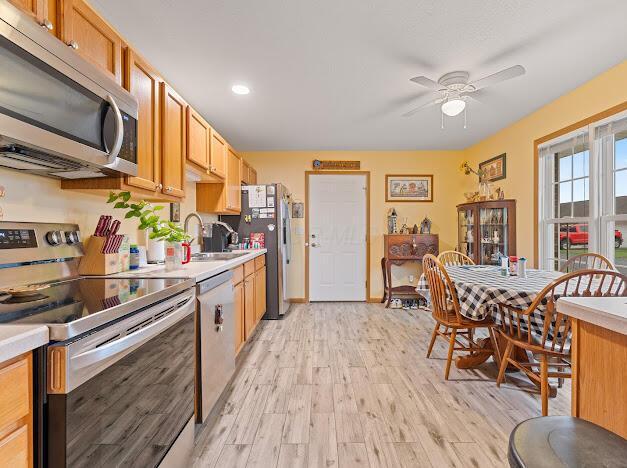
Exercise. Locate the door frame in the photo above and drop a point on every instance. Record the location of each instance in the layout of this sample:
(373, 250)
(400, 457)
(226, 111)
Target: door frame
(323, 172)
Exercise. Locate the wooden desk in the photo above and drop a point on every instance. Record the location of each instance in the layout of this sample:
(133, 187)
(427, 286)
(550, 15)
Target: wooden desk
(599, 360)
(399, 249)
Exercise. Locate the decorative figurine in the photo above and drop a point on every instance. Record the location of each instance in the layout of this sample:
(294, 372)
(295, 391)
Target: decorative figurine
(392, 226)
(425, 226)
(415, 229)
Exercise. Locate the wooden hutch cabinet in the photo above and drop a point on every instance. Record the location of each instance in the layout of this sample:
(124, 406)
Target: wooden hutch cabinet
(487, 229)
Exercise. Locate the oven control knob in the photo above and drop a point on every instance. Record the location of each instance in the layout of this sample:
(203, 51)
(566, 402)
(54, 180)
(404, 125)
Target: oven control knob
(54, 237)
(72, 237)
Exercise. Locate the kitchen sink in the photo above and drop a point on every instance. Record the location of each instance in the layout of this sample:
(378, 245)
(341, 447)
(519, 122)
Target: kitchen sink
(213, 256)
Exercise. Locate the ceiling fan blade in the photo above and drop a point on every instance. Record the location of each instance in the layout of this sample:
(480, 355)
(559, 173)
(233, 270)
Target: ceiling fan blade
(507, 74)
(432, 101)
(426, 82)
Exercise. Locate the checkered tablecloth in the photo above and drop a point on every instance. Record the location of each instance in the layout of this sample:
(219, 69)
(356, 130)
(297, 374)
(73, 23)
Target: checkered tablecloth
(480, 288)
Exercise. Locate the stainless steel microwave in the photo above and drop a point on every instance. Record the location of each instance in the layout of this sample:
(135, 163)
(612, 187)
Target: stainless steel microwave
(60, 116)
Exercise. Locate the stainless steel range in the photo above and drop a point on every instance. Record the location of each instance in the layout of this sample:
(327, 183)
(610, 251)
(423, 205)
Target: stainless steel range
(118, 379)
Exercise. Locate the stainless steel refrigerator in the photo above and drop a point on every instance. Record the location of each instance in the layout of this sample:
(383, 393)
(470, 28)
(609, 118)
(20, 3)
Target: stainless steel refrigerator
(265, 209)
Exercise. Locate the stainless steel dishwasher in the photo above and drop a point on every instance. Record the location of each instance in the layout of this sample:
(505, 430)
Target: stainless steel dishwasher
(215, 341)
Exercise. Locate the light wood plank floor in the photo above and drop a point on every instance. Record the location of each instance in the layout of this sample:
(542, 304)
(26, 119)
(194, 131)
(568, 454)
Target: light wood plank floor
(348, 384)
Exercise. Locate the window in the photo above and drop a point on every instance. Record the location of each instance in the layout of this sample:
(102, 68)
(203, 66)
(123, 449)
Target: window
(565, 198)
(583, 194)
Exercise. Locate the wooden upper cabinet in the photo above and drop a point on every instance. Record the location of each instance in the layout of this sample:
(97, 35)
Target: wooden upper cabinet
(198, 140)
(38, 9)
(142, 81)
(92, 37)
(245, 172)
(173, 116)
(233, 181)
(218, 155)
(252, 176)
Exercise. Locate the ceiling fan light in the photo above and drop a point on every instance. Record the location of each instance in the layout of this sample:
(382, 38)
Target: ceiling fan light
(453, 107)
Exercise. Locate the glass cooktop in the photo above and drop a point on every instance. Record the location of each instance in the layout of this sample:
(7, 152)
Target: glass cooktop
(82, 299)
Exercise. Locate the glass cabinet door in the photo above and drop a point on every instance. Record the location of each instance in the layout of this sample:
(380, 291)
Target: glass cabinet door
(493, 231)
(466, 233)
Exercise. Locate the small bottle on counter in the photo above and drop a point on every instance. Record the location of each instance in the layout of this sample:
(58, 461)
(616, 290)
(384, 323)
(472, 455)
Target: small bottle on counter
(134, 257)
(522, 267)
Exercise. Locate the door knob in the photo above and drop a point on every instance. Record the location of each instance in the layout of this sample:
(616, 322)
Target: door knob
(313, 244)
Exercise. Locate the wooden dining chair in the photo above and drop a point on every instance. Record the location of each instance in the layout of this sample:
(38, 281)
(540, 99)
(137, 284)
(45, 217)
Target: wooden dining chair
(453, 257)
(587, 261)
(549, 345)
(446, 313)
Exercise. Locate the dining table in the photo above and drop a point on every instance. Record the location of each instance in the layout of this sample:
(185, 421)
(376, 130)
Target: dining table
(482, 288)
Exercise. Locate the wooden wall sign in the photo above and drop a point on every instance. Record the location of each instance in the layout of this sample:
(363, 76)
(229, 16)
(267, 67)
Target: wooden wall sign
(319, 165)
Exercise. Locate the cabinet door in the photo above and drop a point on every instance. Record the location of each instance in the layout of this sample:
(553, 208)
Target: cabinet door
(198, 140)
(173, 110)
(36, 8)
(245, 173)
(91, 37)
(233, 184)
(249, 306)
(218, 155)
(260, 293)
(252, 176)
(143, 82)
(240, 334)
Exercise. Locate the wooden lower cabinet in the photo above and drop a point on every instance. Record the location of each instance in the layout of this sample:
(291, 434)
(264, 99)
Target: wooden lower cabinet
(16, 412)
(240, 336)
(249, 285)
(260, 293)
(250, 321)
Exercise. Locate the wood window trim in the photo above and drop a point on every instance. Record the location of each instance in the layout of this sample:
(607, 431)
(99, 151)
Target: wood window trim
(314, 173)
(536, 163)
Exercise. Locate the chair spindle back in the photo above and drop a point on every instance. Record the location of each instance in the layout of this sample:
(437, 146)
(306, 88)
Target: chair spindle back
(441, 288)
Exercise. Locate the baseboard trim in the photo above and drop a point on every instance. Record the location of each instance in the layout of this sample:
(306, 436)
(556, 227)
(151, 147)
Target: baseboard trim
(374, 299)
(298, 300)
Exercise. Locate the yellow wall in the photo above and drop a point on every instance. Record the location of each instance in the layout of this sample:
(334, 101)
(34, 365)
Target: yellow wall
(603, 92)
(289, 168)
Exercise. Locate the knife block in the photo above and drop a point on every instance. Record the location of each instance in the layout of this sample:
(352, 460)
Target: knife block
(95, 263)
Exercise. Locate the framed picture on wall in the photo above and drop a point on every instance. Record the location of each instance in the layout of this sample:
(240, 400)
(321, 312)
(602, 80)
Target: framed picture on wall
(494, 168)
(409, 188)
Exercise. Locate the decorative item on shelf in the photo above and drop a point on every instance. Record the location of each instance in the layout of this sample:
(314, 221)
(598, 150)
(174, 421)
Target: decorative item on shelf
(319, 165)
(471, 196)
(409, 188)
(178, 250)
(415, 229)
(484, 187)
(404, 228)
(392, 217)
(495, 168)
(425, 226)
(501, 194)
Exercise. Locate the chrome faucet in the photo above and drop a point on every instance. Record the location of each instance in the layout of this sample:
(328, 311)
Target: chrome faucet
(203, 228)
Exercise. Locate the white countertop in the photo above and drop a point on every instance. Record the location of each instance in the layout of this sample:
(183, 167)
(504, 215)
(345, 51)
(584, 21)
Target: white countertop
(606, 312)
(199, 271)
(19, 339)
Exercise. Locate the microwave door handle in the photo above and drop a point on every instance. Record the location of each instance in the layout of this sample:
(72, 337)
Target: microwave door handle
(110, 350)
(119, 129)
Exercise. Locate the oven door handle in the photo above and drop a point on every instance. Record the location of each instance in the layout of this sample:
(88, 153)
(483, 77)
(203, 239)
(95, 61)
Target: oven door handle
(128, 342)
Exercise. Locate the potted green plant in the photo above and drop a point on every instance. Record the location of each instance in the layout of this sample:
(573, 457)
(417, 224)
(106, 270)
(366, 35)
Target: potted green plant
(175, 237)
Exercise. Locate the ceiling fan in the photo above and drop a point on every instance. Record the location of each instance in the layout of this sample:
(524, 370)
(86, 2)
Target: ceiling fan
(453, 89)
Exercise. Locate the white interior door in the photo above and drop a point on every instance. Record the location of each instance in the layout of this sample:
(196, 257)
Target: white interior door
(337, 237)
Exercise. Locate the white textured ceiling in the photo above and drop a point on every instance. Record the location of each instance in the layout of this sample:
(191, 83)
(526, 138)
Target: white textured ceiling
(334, 74)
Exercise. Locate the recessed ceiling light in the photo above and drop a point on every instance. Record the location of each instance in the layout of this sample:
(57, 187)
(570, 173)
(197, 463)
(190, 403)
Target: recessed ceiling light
(240, 89)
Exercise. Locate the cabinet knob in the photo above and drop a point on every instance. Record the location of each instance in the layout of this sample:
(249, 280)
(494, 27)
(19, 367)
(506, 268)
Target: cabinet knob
(168, 189)
(47, 24)
(73, 45)
(160, 186)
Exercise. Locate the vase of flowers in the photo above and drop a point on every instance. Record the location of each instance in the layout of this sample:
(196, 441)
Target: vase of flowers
(485, 190)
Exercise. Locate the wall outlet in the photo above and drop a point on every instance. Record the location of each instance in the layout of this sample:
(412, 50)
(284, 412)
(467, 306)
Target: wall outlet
(411, 278)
